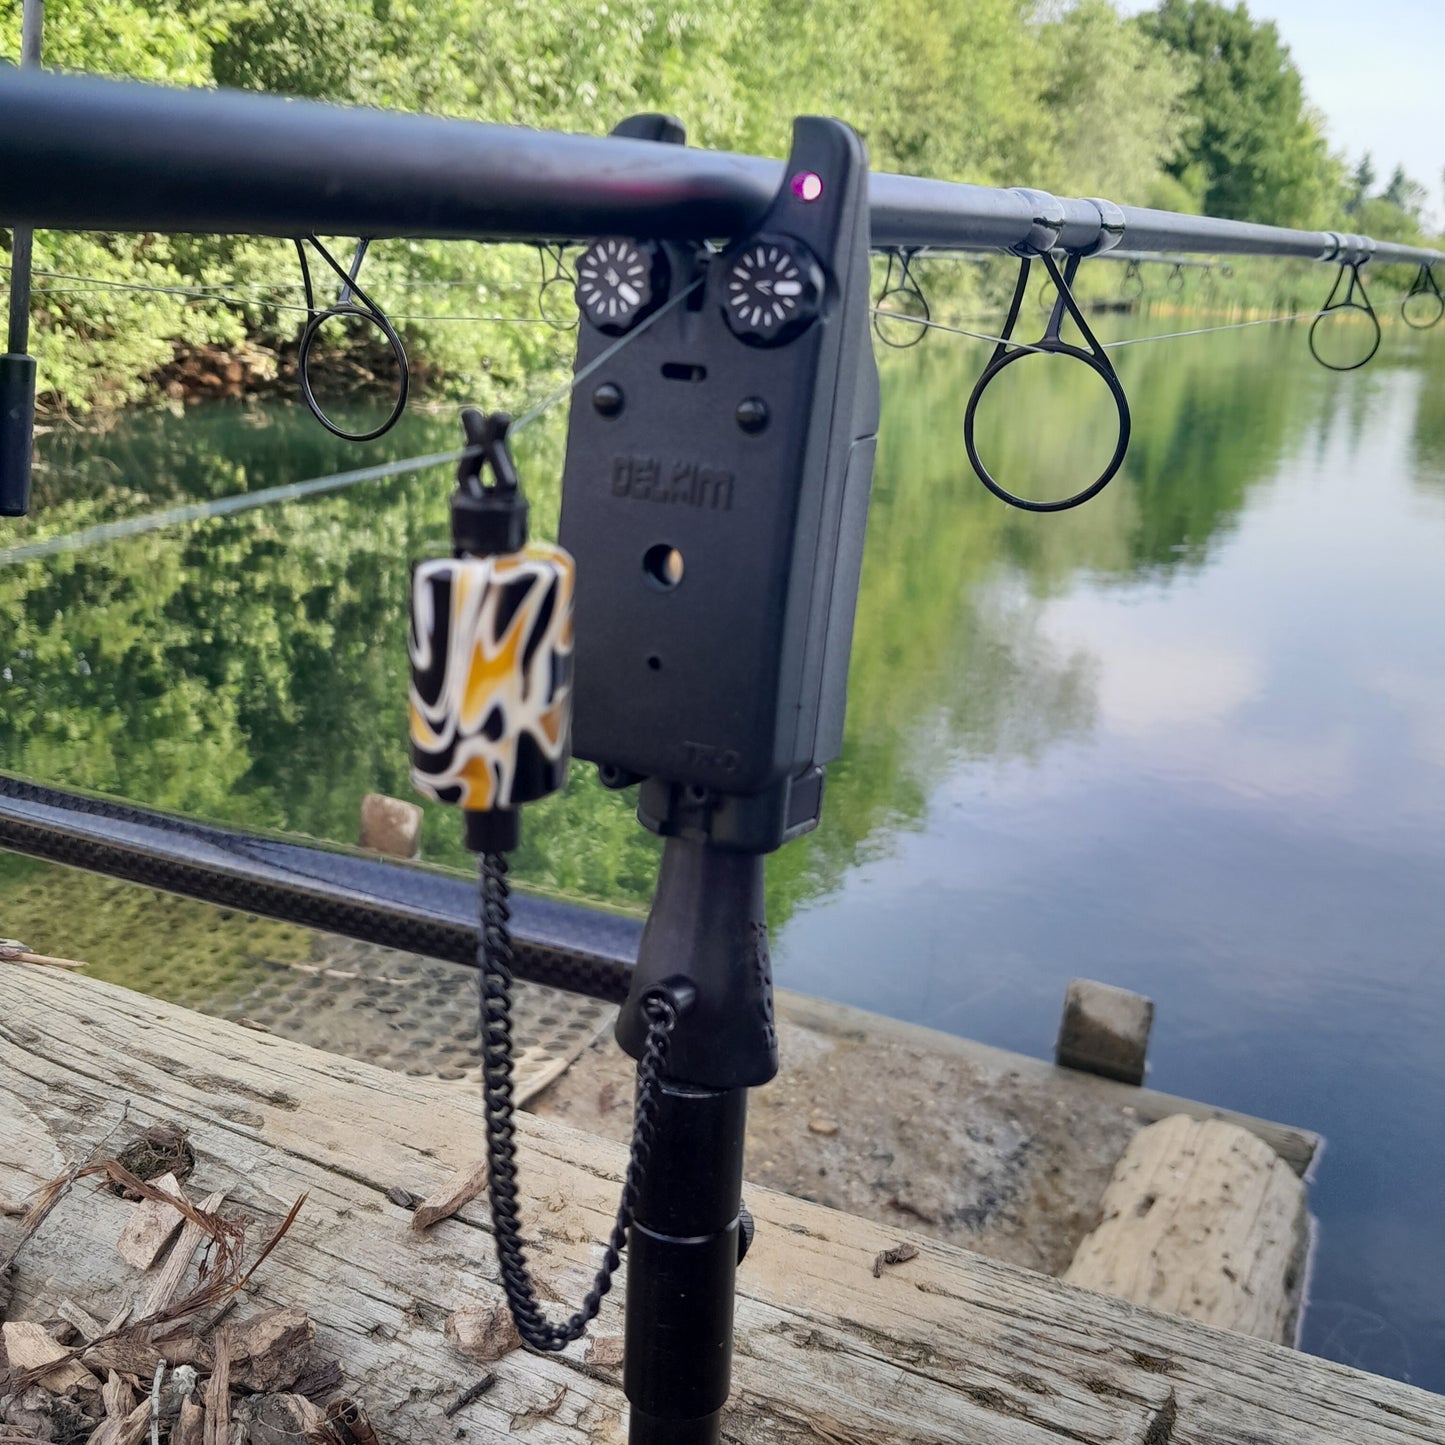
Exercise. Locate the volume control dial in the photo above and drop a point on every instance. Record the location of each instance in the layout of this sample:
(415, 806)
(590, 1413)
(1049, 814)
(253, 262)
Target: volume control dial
(772, 291)
(621, 281)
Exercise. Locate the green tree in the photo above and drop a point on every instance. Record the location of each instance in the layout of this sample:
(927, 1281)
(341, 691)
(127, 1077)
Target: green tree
(1361, 181)
(1405, 193)
(1115, 97)
(1251, 137)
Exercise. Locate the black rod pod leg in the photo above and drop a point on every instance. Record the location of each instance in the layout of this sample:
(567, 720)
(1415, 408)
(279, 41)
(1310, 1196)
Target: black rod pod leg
(682, 1258)
(706, 930)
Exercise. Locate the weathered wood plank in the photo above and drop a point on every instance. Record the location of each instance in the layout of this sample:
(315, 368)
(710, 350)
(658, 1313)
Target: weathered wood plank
(1204, 1219)
(943, 1348)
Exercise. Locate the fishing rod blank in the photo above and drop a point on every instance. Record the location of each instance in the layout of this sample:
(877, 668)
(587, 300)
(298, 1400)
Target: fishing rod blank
(82, 153)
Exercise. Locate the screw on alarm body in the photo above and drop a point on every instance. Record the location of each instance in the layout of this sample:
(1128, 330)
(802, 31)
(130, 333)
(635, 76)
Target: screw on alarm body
(607, 400)
(752, 415)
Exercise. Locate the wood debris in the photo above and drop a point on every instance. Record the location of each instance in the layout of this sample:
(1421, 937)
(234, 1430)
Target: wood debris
(541, 1412)
(161, 1149)
(13, 951)
(35, 1414)
(464, 1186)
(117, 1395)
(278, 1419)
(345, 1424)
(319, 1379)
(86, 1325)
(483, 1333)
(218, 1394)
(270, 1350)
(129, 1429)
(604, 1351)
(469, 1395)
(167, 1284)
(190, 1426)
(31, 1351)
(899, 1254)
(180, 1368)
(151, 1227)
(127, 1353)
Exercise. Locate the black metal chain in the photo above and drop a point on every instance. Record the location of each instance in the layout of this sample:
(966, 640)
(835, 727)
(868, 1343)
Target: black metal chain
(494, 956)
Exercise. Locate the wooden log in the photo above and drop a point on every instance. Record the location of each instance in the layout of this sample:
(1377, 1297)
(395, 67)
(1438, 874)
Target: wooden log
(1204, 1220)
(948, 1347)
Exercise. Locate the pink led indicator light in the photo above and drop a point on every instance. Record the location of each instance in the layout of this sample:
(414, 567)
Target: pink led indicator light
(807, 186)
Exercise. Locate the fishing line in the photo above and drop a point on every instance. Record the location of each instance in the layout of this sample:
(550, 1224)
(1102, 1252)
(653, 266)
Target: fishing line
(1209, 330)
(195, 293)
(217, 294)
(214, 287)
(952, 330)
(314, 486)
(1107, 345)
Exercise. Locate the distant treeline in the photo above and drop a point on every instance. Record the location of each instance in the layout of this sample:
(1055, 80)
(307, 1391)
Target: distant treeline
(1191, 106)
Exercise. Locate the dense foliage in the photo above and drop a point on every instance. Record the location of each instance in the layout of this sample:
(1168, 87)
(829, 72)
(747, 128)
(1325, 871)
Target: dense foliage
(1191, 106)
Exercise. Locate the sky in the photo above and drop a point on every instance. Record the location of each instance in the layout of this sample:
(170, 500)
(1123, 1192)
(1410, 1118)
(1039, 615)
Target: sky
(1377, 71)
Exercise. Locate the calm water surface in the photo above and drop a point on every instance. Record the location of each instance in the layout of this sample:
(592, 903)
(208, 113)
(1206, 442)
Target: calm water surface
(1189, 739)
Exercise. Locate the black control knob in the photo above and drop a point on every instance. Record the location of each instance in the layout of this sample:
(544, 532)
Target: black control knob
(746, 1228)
(772, 291)
(620, 281)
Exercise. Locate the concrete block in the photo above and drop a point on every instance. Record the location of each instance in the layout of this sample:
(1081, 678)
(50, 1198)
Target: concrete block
(1105, 1030)
(390, 826)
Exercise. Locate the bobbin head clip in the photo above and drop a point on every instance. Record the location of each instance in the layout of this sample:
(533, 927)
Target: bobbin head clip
(491, 651)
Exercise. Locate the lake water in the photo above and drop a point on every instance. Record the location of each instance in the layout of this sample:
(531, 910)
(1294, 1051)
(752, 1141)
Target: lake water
(1189, 739)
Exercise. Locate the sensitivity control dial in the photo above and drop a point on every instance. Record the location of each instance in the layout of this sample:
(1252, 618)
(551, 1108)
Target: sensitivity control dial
(620, 281)
(772, 290)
